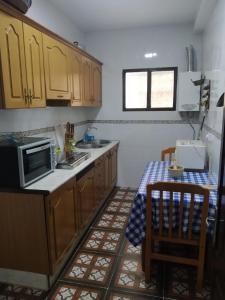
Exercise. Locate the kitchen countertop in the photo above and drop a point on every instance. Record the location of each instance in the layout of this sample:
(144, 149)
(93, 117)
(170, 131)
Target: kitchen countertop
(51, 182)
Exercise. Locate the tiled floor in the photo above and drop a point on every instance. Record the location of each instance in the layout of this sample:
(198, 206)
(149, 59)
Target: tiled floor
(106, 266)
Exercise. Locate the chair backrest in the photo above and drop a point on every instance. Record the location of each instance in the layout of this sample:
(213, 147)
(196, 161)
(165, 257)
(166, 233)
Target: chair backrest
(168, 151)
(167, 206)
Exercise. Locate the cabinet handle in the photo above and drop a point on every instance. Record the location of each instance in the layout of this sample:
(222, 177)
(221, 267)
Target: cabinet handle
(25, 95)
(30, 96)
(60, 96)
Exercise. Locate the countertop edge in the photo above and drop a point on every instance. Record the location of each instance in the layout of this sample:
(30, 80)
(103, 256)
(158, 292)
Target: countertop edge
(39, 186)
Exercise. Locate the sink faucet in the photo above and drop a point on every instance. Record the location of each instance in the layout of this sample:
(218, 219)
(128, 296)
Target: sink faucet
(88, 137)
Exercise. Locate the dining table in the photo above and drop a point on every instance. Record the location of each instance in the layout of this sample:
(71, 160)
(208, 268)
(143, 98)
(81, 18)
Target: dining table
(158, 171)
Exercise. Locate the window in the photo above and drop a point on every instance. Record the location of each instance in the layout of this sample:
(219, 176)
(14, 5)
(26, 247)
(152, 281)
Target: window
(149, 89)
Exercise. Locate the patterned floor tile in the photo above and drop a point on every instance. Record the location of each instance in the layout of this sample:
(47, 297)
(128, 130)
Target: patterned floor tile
(122, 207)
(129, 276)
(3, 297)
(101, 240)
(11, 292)
(129, 249)
(89, 276)
(180, 284)
(90, 267)
(73, 292)
(124, 296)
(112, 221)
(126, 195)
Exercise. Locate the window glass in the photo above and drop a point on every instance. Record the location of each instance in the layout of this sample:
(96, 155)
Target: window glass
(149, 89)
(162, 89)
(136, 90)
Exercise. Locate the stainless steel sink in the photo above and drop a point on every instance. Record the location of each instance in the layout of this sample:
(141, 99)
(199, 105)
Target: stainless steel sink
(88, 146)
(93, 144)
(101, 142)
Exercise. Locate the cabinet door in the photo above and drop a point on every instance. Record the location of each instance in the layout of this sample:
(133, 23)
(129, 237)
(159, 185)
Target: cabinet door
(92, 83)
(114, 165)
(87, 82)
(97, 84)
(107, 172)
(99, 180)
(34, 66)
(13, 62)
(86, 198)
(57, 73)
(76, 78)
(62, 223)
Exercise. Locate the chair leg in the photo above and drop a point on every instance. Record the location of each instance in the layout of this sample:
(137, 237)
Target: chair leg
(199, 279)
(147, 270)
(147, 260)
(143, 256)
(200, 270)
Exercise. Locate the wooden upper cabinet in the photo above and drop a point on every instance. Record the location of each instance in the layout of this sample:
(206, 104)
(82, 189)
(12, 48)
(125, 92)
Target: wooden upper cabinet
(57, 70)
(97, 83)
(35, 66)
(87, 82)
(76, 78)
(13, 69)
(92, 79)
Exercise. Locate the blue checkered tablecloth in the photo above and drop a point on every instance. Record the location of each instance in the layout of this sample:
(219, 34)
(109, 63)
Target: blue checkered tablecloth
(157, 171)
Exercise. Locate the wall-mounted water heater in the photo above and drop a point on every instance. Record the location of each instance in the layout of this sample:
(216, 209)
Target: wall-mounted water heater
(188, 92)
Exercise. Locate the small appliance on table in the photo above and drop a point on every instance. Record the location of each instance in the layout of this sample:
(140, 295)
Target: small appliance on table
(191, 154)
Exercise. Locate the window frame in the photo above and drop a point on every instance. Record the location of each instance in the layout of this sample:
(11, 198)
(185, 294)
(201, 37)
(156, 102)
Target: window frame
(149, 82)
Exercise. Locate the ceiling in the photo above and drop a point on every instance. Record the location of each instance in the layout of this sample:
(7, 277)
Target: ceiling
(95, 15)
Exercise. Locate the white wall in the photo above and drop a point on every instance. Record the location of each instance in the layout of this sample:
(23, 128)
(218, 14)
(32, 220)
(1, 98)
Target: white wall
(121, 49)
(49, 16)
(214, 67)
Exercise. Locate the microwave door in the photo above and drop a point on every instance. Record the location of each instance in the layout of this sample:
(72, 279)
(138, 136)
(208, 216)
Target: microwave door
(35, 163)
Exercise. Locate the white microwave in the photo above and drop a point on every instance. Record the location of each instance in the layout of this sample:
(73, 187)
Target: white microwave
(191, 154)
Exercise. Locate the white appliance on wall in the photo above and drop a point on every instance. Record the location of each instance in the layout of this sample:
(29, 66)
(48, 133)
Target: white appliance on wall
(188, 93)
(191, 154)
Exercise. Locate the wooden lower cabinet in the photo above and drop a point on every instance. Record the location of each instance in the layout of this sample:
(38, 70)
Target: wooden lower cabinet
(61, 221)
(38, 232)
(99, 180)
(113, 165)
(85, 198)
(23, 233)
(110, 168)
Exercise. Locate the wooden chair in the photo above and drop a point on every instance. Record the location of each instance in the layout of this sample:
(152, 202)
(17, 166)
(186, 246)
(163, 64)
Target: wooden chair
(168, 151)
(175, 236)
